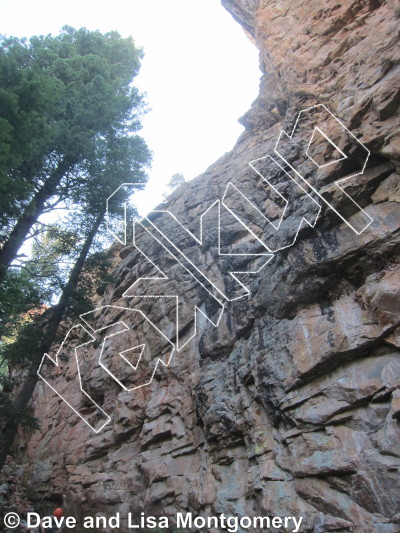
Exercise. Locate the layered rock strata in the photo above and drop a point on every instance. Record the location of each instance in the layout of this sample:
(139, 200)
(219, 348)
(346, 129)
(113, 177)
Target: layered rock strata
(291, 405)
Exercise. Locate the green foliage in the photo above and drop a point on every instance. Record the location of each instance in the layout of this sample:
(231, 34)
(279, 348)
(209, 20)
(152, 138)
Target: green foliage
(64, 99)
(53, 254)
(21, 416)
(176, 181)
(69, 117)
(21, 318)
(23, 333)
(18, 295)
(20, 330)
(95, 277)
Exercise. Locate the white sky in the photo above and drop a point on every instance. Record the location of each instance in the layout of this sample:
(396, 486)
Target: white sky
(200, 72)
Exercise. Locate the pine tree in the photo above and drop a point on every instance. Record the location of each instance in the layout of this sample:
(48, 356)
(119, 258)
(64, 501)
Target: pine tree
(87, 152)
(61, 98)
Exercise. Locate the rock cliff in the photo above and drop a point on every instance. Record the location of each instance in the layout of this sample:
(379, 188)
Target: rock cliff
(291, 405)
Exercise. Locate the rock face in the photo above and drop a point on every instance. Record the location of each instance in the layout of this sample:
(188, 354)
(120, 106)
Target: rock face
(291, 405)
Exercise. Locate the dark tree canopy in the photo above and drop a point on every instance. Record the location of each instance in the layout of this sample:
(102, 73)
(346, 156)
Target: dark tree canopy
(69, 117)
(67, 109)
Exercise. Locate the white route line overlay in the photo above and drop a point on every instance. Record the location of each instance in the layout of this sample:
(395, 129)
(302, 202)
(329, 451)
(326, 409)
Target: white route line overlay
(179, 347)
(80, 327)
(199, 241)
(135, 367)
(56, 363)
(344, 156)
(275, 226)
(108, 218)
(339, 181)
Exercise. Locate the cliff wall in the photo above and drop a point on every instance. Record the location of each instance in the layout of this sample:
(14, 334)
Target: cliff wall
(290, 405)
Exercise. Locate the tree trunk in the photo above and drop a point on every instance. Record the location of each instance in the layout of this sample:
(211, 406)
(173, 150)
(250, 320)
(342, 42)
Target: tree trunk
(29, 217)
(26, 392)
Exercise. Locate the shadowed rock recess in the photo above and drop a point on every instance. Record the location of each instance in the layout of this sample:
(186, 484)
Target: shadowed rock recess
(291, 405)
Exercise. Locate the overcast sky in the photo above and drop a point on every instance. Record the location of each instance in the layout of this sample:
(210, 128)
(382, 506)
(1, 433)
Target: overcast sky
(200, 72)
